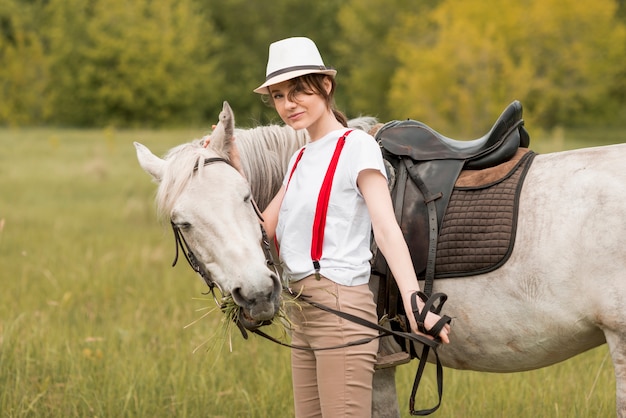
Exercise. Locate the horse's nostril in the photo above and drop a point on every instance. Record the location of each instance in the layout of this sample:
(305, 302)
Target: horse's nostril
(239, 298)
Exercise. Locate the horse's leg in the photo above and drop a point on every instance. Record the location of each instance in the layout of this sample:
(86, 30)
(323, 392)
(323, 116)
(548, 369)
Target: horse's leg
(385, 398)
(617, 347)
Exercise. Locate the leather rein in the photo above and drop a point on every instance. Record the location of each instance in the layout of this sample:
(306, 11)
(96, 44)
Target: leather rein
(199, 268)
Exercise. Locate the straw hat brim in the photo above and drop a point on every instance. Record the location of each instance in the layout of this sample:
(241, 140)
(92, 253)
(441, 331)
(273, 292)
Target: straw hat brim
(263, 88)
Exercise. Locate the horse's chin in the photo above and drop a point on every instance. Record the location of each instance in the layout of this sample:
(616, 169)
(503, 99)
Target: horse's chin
(250, 323)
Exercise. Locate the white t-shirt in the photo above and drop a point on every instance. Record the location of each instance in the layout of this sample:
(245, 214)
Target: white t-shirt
(346, 246)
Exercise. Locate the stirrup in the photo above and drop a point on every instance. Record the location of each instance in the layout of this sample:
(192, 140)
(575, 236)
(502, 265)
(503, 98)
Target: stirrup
(384, 361)
(390, 353)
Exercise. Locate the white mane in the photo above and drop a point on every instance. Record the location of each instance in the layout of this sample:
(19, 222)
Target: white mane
(265, 152)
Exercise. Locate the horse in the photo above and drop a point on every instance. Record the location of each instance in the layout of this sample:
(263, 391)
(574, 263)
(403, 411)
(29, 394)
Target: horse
(561, 292)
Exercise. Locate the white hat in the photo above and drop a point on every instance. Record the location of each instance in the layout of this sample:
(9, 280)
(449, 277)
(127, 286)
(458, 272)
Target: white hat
(291, 58)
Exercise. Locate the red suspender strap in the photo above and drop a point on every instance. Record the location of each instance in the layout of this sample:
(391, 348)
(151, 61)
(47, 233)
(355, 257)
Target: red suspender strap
(319, 223)
(322, 207)
(294, 167)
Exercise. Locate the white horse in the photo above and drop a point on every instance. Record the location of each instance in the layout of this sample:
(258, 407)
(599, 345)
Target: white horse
(562, 291)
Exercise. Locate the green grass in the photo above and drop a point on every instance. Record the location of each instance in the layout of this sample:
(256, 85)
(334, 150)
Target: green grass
(93, 317)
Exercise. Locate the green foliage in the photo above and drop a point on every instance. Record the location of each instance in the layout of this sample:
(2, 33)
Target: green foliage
(140, 62)
(453, 65)
(369, 53)
(559, 57)
(248, 28)
(23, 69)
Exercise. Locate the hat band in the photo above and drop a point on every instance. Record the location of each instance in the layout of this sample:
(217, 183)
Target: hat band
(296, 68)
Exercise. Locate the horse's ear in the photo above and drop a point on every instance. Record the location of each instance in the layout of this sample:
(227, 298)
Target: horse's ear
(222, 135)
(151, 164)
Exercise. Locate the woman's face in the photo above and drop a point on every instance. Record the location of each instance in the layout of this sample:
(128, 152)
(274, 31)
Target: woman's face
(303, 109)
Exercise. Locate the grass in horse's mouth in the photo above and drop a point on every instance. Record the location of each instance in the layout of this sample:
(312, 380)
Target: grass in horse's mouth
(232, 311)
(281, 324)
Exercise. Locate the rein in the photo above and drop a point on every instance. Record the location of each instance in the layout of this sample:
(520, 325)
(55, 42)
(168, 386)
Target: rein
(191, 258)
(428, 344)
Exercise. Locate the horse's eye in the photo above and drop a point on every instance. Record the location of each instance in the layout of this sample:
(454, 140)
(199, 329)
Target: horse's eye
(178, 220)
(182, 225)
(247, 198)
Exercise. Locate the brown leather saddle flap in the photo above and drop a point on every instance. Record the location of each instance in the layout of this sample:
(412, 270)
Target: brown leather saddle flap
(478, 231)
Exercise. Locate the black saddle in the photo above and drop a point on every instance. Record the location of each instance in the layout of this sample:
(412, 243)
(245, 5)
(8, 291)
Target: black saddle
(419, 142)
(427, 165)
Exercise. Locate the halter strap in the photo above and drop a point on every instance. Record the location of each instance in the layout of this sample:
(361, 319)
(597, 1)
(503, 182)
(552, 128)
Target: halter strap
(319, 222)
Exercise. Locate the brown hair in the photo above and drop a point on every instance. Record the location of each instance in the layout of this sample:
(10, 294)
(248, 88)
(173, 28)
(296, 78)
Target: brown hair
(314, 84)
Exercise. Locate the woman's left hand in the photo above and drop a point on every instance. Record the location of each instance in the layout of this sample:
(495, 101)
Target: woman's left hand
(429, 322)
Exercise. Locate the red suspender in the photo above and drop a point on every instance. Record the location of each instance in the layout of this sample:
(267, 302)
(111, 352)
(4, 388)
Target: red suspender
(294, 167)
(319, 223)
(322, 207)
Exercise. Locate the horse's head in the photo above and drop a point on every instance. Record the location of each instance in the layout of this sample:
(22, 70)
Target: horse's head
(211, 210)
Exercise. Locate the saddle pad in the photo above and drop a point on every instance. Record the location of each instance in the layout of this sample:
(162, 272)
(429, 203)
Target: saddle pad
(478, 230)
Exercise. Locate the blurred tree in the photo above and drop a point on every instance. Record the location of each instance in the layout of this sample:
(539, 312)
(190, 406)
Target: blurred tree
(99, 62)
(23, 70)
(557, 56)
(577, 52)
(248, 27)
(367, 51)
(131, 63)
(618, 89)
(621, 9)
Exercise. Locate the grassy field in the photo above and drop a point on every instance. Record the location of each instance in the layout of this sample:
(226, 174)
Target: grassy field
(93, 319)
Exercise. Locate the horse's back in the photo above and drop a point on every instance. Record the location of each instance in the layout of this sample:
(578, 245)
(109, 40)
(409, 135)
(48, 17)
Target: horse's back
(565, 279)
(578, 194)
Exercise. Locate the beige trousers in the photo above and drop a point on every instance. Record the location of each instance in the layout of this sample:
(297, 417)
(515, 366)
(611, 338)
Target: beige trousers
(332, 383)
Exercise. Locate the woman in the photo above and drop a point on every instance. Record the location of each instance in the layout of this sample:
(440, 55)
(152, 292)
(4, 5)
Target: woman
(332, 383)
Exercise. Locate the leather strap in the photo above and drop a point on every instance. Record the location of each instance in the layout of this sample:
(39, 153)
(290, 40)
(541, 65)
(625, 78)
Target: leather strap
(429, 306)
(433, 228)
(383, 332)
(394, 291)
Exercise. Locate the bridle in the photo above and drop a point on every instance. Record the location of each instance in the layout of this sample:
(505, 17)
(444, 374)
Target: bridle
(199, 268)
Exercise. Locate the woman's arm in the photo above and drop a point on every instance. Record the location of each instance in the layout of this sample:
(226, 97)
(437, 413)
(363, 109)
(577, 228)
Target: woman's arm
(391, 243)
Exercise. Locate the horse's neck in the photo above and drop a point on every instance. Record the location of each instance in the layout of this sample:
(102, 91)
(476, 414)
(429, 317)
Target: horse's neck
(265, 152)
